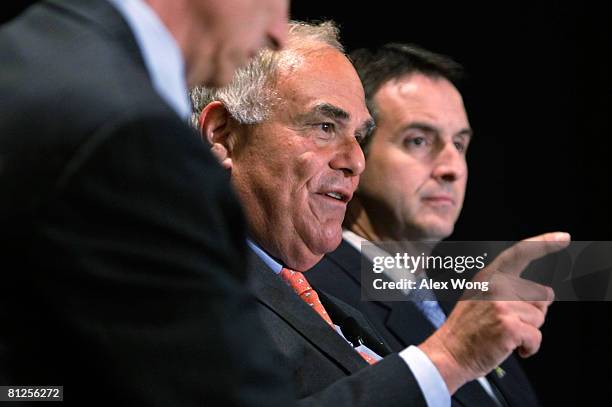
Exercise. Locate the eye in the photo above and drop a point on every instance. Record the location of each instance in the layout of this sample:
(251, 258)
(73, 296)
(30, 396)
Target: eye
(460, 146)
(360, 136)
(327, 127)
(415, 141)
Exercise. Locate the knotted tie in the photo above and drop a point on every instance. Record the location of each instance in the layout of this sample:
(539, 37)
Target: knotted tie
(302, 288)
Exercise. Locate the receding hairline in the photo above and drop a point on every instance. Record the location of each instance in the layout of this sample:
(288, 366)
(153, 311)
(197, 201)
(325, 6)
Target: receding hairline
(418, 123)
(251, 94)
(408, 76)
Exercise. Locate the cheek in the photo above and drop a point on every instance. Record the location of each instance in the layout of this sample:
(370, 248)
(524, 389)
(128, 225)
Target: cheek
(460, 187)
(392, 181)
(321, 233)
(292, 181)
(461, 191)
(306, 171)
(463, 183)
(306, 161)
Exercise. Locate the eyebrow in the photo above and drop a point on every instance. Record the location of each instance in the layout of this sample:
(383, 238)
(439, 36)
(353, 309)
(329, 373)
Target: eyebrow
(467, 132)
(331, 111)
(341, 115)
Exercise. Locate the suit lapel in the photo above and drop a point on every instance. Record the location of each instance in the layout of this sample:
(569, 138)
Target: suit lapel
(340, 311)
(416, 326)
(274, 294)
(406, 321)
(347, 258)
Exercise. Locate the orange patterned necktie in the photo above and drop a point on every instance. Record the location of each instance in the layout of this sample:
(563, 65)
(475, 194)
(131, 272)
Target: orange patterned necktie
(302, 288)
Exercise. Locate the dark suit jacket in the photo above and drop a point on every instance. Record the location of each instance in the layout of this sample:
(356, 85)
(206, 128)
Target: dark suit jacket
(122, 248)
(401, 324)
(325, 369)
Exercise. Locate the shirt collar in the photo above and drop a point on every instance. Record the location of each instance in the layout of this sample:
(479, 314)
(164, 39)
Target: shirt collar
(373, 251)
(265, 257)
(162, 56)
(355, 240)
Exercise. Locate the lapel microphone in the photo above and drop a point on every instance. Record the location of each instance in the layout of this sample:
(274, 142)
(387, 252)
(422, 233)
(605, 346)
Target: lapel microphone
(352, 331)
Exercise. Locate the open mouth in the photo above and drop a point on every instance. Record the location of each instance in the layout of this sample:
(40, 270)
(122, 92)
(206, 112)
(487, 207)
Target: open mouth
(336, 195)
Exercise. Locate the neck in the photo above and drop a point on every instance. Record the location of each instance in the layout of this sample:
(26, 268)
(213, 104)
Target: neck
(374, 223)
(359, 221)
(177, 17)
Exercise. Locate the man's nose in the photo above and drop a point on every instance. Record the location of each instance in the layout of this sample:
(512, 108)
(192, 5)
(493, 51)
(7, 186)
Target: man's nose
(449, 164)
(349, 158)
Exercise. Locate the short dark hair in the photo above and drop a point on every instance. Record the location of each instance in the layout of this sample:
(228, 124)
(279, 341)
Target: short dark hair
(392, 61)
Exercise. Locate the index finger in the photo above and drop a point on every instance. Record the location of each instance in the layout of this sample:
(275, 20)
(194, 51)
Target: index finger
(514, 259)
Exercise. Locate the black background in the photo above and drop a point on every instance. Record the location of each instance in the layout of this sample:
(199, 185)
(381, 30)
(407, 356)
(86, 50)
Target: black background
(538, 97)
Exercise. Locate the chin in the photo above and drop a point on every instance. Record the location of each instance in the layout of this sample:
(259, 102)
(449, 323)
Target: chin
(319, 248)
(330, 240)
(431, 231)
(305, 262)
(437, 233)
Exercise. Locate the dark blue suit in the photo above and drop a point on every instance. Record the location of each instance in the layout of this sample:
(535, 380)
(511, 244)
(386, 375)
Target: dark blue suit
(401, 324)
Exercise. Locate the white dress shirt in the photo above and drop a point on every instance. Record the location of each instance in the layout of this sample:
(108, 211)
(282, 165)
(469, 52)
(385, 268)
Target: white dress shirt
(162, 56)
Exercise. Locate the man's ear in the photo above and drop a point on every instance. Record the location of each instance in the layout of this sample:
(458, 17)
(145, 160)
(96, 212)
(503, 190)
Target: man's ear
(215, 127)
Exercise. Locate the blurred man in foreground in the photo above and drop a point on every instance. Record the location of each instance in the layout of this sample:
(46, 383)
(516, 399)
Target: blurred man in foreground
(116, 284)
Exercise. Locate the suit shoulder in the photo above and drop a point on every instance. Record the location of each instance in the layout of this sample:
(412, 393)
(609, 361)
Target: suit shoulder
(60, 66)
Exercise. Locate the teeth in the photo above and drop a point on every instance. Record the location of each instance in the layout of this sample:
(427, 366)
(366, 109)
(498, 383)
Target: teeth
(334, 195)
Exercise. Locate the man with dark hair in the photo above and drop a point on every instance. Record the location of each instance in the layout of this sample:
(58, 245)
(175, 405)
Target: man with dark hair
(122, 244)
(393, 61)
(411, 190)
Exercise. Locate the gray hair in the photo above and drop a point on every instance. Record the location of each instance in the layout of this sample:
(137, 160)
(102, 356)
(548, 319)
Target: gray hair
(250, 95)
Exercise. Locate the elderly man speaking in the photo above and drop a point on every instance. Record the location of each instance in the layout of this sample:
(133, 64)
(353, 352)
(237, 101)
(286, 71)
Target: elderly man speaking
(287, 129)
